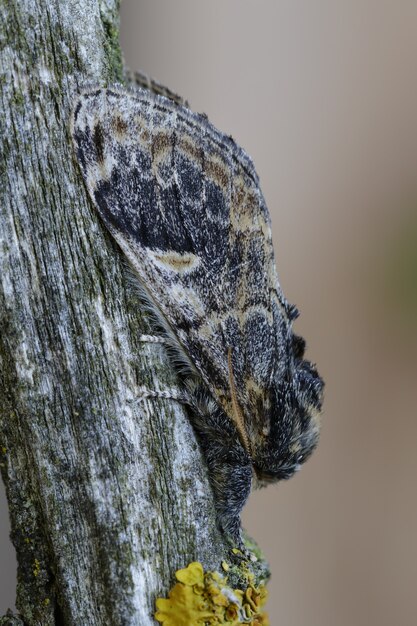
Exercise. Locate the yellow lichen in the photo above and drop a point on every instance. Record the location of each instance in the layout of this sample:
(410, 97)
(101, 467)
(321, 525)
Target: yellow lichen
(205, 599)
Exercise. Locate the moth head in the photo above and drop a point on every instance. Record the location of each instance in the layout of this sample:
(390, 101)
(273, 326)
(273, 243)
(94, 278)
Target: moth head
(294, 418)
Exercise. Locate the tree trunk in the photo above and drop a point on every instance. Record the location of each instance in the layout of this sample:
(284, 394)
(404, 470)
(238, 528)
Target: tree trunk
(108, 493)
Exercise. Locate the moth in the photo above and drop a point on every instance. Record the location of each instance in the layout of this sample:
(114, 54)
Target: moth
(183, 202)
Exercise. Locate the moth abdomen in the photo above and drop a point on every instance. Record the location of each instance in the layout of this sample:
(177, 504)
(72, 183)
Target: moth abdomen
(229, 464)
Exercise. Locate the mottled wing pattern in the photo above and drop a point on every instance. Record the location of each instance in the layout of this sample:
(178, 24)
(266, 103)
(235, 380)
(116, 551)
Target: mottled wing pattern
(183, 202)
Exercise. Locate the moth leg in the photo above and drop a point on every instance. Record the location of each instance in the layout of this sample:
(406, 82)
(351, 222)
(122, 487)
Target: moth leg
(152, 339)
(229, 465)
(167, 394)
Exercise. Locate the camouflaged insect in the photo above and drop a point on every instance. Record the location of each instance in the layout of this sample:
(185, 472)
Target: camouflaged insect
(183, 202)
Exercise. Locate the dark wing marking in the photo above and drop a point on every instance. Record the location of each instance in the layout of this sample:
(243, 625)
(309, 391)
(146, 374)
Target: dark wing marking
(184, 204)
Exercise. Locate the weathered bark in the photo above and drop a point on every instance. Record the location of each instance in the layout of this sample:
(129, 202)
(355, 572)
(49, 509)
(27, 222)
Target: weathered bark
(108, 494)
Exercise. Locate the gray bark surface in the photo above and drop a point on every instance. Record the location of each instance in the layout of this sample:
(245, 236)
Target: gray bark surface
(108, 494)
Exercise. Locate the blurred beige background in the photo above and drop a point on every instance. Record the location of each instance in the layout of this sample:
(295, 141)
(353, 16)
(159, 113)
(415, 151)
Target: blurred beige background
(323, 96)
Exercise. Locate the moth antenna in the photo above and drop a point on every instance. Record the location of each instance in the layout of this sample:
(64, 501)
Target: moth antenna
(237, 411)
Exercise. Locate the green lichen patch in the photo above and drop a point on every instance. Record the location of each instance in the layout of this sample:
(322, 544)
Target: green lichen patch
(36, 568)
(245, 568)
(112, 45)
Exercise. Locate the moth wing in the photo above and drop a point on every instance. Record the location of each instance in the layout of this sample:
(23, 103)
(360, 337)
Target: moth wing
(183, 202)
